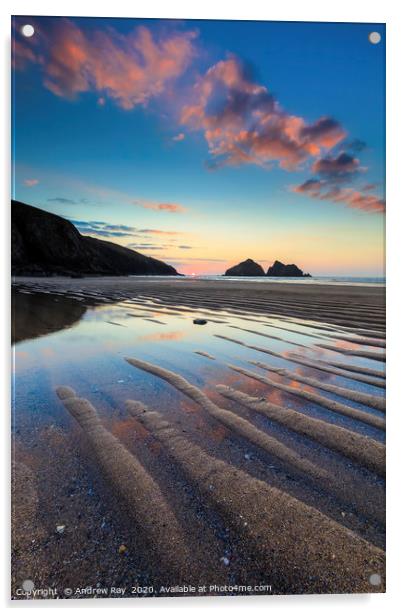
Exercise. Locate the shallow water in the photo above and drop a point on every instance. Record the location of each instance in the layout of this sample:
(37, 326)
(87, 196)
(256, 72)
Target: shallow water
(82, 341)
(92, 349)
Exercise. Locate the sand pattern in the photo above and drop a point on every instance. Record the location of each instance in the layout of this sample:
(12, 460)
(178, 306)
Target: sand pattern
(299, 465)
(298, 359)
(359, 448)
(355, 352)
(283, 463)
(378, 374)
(148, 507)
(376, 402)
(239, 425)
(354, 308)
(305, 551)
(356, 340)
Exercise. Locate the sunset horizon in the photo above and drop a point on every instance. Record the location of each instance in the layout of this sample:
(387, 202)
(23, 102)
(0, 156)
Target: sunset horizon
(201, 150)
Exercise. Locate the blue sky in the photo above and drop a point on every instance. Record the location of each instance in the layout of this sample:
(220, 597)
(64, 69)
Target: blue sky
(203, 134)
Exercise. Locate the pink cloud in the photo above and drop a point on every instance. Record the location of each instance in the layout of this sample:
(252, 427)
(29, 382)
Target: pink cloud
(169, 207)
(362, 201)
(179, 137)
(161, 232)
(22, 54)
(244, 124)
(324, 132)
(241, 120)
(356, 199)
(336, 167)
(130, 69)
(369, 187)
(173, 208)
(31, 182)
(333, 173)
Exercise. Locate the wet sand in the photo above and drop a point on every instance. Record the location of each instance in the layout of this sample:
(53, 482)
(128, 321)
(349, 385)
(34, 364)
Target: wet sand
(352, 306)
(211, 464)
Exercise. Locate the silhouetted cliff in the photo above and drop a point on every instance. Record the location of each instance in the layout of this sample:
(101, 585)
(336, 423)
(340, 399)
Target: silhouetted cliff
(45, 244)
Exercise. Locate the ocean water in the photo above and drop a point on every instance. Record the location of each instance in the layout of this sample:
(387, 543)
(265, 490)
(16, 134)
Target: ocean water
(363, 281)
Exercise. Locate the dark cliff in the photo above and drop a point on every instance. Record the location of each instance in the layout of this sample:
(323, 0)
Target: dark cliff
(45, 244)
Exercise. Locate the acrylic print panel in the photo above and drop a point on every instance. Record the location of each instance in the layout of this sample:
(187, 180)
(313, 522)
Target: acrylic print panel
(198, 308)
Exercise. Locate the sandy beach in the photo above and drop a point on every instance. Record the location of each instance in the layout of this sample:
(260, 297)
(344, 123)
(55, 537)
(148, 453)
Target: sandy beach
(357, 307)
(242, 451)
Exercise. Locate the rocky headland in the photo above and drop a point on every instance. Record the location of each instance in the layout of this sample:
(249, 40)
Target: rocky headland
(45, 244)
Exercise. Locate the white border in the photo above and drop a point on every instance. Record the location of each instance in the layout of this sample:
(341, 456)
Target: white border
(291, 10)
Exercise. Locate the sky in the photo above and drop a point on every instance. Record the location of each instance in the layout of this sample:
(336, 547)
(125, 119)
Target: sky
(203, 143)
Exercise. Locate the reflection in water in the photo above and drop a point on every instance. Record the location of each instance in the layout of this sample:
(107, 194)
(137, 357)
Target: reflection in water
(90, 355)
(162, 336)
(90, 358)
(39, 314)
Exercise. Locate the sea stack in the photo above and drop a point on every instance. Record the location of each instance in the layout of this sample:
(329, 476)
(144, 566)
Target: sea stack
(290, 270)
(245, 268)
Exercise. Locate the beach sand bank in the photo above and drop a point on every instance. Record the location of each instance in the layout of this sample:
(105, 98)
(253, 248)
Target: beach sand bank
(252, 414)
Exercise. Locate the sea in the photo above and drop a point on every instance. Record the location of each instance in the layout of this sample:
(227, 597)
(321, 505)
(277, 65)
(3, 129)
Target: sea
(362, 281)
